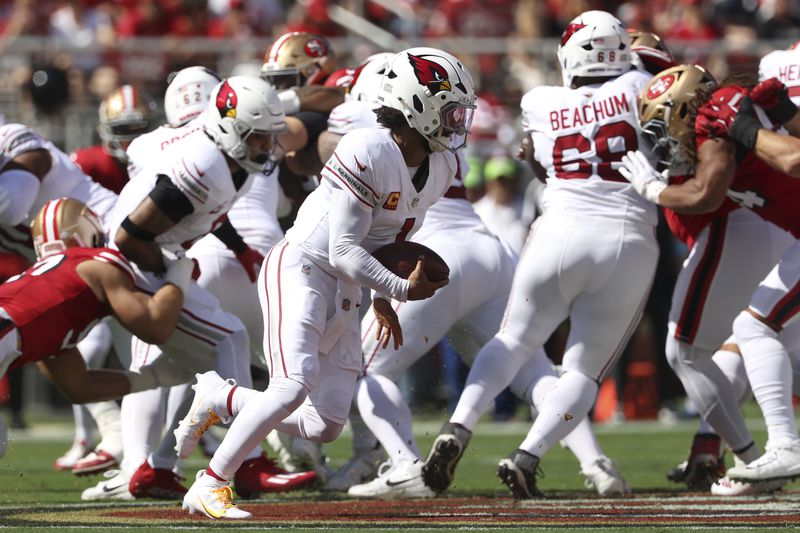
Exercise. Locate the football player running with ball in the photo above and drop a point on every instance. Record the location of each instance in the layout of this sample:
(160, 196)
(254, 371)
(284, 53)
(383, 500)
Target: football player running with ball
(376, 189)
(591, 256)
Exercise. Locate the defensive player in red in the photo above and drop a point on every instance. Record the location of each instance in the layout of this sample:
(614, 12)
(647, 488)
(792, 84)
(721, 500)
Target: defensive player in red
(717, 174)
(46, 310)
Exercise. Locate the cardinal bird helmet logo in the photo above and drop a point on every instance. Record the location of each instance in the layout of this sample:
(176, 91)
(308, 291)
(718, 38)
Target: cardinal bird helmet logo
(430, 74)
(226, 101)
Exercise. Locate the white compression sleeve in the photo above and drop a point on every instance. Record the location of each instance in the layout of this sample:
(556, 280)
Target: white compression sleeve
(18, 189)
(349, 224)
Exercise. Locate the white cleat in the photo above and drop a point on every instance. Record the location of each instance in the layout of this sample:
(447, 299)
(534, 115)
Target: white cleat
(115, 487)
(359, 469)
(778, 463)
(725, 486)
(76, 452)
(201, 414)
(212, 498)
(604, 476)
(398, 482)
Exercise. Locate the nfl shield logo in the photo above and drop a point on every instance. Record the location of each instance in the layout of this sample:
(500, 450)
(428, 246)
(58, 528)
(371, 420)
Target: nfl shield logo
(346, 304)
(414, 203)
(305, 269)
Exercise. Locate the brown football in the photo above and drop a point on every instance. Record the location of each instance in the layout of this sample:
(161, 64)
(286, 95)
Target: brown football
(401, 258)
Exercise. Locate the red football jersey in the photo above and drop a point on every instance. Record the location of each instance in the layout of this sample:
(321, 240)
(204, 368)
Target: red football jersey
(769, 193)
(102, 167)
(52, 307)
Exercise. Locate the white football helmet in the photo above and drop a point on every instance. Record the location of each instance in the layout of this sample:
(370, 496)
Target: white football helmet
(188, 93)
(595, 43)
(239, 106)
(367, 79)
(65, 223)
(435, 93)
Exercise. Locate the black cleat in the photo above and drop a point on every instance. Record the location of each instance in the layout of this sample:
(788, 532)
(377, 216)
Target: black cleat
(518, 472)
(439, 468)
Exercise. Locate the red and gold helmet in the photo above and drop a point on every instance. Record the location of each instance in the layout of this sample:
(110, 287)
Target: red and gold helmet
(298, 59)
(666, 114)
(125, 114)
(65, 223)
(650, 52)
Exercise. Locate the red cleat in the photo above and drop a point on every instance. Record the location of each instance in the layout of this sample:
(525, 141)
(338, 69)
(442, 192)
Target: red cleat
(262, 474)
(160, 483)
(94, 463)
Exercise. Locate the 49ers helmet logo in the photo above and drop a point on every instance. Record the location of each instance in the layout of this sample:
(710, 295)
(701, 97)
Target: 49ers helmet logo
(316, 48)
(430, 74)
(660, 86)
(226, 101)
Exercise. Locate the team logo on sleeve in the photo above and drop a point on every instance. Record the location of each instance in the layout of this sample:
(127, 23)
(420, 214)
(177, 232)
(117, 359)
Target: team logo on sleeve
(392, 201)
(430, 74)
(227, 101)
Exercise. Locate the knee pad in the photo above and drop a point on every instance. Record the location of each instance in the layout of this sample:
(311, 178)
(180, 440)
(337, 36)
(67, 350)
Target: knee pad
(746, 327)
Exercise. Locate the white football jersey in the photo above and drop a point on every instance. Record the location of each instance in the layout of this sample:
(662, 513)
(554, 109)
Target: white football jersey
(579, 137)
(140, 151)
(784, 65)
(64, 178)
(199, 169)
(369, 165)
(453, 210)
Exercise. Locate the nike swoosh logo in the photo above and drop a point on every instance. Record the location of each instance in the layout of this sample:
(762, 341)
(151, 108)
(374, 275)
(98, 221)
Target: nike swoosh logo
(106, 488)
(209, 511)
(361, 167)
(199, 172)
(396, 483)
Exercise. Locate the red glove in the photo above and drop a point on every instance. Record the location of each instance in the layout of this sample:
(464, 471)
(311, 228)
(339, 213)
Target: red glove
(714, 120)
(251, 262)
(767, 94)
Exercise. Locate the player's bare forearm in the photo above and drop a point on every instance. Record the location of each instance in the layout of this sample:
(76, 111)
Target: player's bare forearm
(319, 98)
(68, 372)
(706, 191)
(781, 152)
(326, 144)
(145, 254)
(151, 319)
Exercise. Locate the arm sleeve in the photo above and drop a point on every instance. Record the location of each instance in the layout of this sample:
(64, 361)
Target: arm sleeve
(315, 123)
(170, 200)
(350, 222)
(18, 189)
(226, 233)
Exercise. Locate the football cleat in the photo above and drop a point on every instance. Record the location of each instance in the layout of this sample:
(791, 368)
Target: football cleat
(262, 474)
(704, 466)
(94, 463)
(395, 482)
(212, 498)
(201, 414)
(446, 450)
(725, 486)
(115, 487)
(159, 483)
(359, 469)
(76, 452)
(518, 472)
(604, 476)
(779, 463)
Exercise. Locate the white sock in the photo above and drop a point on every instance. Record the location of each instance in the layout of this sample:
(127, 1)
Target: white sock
(83, 424)
(109, 424)
(387, 415)
(179, 400)
(567, 403)
(732, 365)
(363, 439)
(253, 421)
(770, 372)
(142, 416)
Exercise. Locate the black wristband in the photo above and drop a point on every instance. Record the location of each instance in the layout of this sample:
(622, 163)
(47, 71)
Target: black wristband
(745, 126)
(137, 232)
(314, 122)
(784, 111)
(230, 237)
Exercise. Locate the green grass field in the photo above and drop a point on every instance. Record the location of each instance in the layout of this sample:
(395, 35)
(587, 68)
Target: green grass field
(644, 451)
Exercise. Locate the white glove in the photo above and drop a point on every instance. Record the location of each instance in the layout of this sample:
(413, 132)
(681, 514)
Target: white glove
(645, 179)
(179, 269)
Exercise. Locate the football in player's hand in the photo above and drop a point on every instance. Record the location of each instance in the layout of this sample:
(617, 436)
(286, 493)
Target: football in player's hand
(401, 258)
